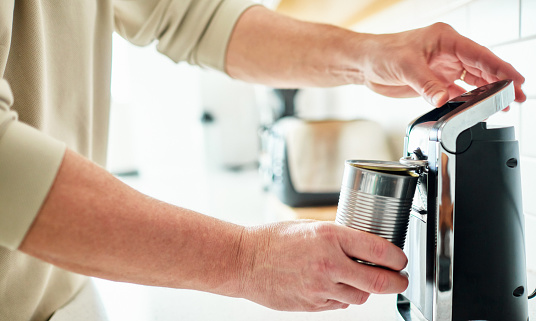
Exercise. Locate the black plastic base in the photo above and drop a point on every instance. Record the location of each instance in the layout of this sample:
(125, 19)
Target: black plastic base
(489, 241)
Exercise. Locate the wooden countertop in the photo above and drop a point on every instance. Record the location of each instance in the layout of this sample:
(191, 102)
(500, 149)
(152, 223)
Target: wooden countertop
(284, 212)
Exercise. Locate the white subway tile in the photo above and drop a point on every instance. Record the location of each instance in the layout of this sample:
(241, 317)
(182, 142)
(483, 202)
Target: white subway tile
(521, 55)
(458, 19)
(528, 183)
(432, 9)
(494, 21)
(530, 239)
(528, 128)
(528, 19)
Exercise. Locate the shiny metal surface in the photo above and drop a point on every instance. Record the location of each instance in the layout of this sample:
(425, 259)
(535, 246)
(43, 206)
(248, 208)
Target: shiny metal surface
(407, 311)
(388, 166)
(430, 242)
(375, 182)
(446, 167)
(418, 138)
(408, 161)
(377, 202)
(479, 104)
(421, 243)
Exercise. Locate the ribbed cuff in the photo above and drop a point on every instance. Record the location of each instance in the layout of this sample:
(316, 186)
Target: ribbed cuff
(29, 162)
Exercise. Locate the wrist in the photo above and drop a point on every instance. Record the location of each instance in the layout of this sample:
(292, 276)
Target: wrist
(348, 57)
(253, 242)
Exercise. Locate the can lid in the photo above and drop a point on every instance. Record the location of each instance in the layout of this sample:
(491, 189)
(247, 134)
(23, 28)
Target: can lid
(386, 166)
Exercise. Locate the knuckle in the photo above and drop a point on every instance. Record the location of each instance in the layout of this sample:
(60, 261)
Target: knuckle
(323, 305)
(324, 266)
(361, 298)
(380, 283)
(335, 305)
(325, 230)
(319, 304)
(320, 290)
(317, 290)
(316, 302)
(441, 26)
(428, 86)
(311, 307)
(405, 285)
(378, 249)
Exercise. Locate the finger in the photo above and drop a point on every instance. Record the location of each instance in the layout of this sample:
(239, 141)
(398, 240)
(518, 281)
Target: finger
(455, 91)
(392, 91)
(348, 294)
(330, 304)
(484, 64)
(371, 248)
(408, 92)
(373, 279)
(475, 77)
(427, 84)
(334, 305)
(520, 95)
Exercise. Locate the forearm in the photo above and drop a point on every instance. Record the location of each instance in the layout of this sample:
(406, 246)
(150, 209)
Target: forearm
(93, 224)
(279, 51)
(272, 49)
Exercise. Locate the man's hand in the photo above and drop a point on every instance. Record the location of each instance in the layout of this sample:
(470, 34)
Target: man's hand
(427, 61)
(307, 266)
(93, 224)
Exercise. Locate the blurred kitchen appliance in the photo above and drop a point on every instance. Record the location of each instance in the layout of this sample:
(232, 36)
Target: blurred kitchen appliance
(306, 157)
(302, 159)
(465, 241)
(230, 120)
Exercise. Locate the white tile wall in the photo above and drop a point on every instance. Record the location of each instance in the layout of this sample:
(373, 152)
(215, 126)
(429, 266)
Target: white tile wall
(432, 9)
(521, 55)
(528, 128)
(494, 21)
(458, 19)
(528, 180)
(530, 236)
(528, 20)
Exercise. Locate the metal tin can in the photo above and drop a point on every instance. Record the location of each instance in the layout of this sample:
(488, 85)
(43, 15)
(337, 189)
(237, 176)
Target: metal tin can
(376, 197)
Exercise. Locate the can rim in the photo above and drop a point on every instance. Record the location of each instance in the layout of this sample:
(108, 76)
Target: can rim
(390, 167)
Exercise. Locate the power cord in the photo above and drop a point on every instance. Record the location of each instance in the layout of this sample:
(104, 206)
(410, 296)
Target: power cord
(532, 295)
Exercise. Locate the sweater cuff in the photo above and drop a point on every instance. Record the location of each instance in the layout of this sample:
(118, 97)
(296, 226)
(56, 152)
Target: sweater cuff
(212, 49)
(29, 162)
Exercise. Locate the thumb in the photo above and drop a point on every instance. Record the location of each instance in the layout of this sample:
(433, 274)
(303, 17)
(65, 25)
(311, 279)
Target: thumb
(431, 88)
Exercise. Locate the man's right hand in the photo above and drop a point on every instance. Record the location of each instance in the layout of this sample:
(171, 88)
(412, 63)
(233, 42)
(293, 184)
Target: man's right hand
(307, 266)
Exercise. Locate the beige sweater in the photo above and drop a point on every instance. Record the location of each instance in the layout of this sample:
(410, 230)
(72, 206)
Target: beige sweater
(55, 58)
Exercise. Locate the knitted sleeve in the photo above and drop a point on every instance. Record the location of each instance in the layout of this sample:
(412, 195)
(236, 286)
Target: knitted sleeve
(29, 162)
(196, 31)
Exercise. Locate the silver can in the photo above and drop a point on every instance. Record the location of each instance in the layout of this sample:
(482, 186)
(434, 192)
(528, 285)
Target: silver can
(376, 197)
